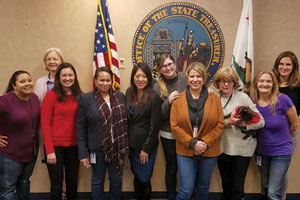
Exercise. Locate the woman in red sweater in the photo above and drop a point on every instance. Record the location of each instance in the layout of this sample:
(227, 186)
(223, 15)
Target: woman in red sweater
(58, 126)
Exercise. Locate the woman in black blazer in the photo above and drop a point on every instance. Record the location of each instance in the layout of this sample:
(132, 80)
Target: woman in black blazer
(101, 129)
(143, 108)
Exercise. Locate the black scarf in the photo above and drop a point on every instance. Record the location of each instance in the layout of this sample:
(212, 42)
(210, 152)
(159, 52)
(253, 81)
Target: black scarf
(196, 106)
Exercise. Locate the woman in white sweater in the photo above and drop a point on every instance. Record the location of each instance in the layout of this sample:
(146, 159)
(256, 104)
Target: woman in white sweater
(236, 150)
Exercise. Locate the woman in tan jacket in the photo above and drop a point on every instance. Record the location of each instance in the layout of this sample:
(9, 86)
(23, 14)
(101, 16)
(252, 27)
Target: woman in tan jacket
(197, 122)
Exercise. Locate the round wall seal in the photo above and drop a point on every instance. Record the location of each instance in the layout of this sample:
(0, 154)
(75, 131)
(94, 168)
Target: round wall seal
(186, 31)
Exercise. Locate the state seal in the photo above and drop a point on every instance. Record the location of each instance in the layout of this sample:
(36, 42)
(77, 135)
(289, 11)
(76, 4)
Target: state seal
(186, 31)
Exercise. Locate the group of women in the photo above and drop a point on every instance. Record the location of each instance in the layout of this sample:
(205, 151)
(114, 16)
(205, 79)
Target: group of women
(198, 129)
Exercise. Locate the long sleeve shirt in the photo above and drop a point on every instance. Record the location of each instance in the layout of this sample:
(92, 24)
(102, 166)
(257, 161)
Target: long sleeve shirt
(58, 121)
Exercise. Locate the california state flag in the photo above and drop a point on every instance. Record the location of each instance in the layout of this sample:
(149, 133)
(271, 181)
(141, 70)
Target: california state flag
(243, 52)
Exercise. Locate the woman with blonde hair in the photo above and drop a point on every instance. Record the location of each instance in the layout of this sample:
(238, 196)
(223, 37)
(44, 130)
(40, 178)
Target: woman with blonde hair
(274, 148)
(237, 151)
(197, 122)
(169, 84)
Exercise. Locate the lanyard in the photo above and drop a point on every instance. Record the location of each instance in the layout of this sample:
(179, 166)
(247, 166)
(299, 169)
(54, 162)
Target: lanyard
(227, 101)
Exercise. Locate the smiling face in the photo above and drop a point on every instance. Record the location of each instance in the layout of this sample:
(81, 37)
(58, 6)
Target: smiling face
(53, 60)
(265, 84)
(168, 70)
(140, 79)
(23, 85)
(67, 78)
(194, 80)
(103, 82)
(285, 67)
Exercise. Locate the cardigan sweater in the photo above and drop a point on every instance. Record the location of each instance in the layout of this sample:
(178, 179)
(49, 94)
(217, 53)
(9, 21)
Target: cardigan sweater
(19, 121)
(40, 88)
(232, 142)
(210, 130)
(58, 121)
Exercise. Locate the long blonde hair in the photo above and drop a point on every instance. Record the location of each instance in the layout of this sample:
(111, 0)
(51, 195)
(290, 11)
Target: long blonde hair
(161, 80)
(254, 93)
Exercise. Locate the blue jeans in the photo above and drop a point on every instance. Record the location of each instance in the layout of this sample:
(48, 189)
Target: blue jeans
(98, 178)
(14, 181)
(195, 175)
(273, 170)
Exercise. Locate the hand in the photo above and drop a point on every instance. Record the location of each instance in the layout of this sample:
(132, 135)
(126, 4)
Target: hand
(182, 39)
(200, 147)
(86, 162)
(3, 141)
(210, 90)
(143, 157)
(174, 95)
(51, 158)
(235, 121)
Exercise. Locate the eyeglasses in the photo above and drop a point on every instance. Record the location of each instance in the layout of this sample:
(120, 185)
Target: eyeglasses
(229, 82)
(167, 65)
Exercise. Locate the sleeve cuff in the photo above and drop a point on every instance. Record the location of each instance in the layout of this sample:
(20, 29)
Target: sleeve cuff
(193, 143)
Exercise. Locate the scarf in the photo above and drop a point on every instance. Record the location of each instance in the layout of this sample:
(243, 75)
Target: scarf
(114, 129)
(196, 106)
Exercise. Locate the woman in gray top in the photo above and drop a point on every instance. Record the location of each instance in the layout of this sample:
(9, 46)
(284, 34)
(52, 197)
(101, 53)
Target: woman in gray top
(170, 83)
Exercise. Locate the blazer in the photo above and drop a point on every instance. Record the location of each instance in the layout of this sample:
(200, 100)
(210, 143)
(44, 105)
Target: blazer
(144, 123)
(88, 125)
(210, 130)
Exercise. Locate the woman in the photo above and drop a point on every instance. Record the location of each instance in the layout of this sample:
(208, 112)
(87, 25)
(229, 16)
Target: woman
(197, 122)
(101, 128)
(19, 122)
(170, 83)
(286, 70)
(52, 59)
(143, 107)
(236, 151)
(58, 126)
(274, 148)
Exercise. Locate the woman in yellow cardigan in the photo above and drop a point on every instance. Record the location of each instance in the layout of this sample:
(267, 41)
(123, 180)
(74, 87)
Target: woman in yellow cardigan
(197, 122)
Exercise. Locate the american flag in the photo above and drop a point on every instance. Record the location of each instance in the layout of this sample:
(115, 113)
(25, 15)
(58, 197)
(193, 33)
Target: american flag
(105, 49)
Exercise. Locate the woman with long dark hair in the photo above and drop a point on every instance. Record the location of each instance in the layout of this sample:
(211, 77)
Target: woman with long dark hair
(58, 113)
(19, 122)
(144, 108)
(286, 70)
